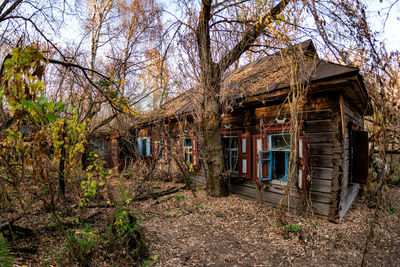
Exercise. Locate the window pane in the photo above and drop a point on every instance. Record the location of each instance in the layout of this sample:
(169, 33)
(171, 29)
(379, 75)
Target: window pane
(259, 145)
(188, 157)
(235, 161)
(234, 142)
(300, 178)
(230, 144)
(187, 142)
(144, 147)
(280, 164)
(139, 146)
(244, 145)
(280, 141)
(300, 148)
(147, 146)
(244, 165)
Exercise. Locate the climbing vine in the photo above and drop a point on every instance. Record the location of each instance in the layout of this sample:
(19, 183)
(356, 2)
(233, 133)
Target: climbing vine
(300, 68)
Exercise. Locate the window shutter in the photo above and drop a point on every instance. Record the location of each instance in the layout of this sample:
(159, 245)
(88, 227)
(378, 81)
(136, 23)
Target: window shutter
(195, 153)
(302, 164)
(260, 144)
(360, 156)
(148, 146)
(155, 147)
(165, 143)
(114, 152)
(245, 155)
(139, 146)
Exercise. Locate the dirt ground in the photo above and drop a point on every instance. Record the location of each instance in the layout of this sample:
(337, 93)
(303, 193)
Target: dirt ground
(187, 230)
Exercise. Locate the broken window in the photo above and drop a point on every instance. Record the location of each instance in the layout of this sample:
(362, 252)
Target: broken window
(272, 153)
(279, 147)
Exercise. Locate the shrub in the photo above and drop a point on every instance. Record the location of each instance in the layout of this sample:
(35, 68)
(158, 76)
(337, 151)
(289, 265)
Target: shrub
(292, 227)
(80, 244)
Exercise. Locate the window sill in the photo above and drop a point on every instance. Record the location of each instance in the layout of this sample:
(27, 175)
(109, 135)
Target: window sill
(278, 182)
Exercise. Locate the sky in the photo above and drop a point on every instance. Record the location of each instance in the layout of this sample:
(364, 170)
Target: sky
(376, 11)
(386, 26)
(390, 30)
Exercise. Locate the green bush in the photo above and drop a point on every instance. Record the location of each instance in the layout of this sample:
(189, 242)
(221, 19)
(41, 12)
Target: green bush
(393, 209)
(80, 244)
(292, 227)
(314, 224)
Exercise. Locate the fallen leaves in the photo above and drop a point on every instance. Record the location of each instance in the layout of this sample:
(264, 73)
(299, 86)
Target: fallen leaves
(236, 231)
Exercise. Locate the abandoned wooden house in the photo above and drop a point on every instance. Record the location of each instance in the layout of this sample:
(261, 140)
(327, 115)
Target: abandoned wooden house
(333, 148)
(106, 146)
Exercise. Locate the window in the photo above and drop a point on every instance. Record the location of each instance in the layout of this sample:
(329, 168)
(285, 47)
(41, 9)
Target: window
(275, 159)
(99, 145)
(279, 145)
(230, 144)
(143, 146)
(187, 149)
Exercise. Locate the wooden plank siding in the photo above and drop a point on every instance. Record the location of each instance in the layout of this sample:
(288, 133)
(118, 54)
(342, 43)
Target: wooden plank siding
(337, 160)
(329, 154)
(274, 194)
(349, 190)
(320, 116)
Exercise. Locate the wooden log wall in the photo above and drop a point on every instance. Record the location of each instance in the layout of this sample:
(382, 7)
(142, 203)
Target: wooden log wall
(337, 162)
(349, 190)
(322, 121)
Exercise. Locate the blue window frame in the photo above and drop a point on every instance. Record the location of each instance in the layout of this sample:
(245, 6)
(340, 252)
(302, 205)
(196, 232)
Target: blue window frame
(143, 146)
(276, 157)
(265, 156)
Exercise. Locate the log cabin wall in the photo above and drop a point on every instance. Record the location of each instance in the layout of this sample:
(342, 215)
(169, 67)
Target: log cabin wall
(321, 118)
(352, 120)
(336, 106)
(327, 120)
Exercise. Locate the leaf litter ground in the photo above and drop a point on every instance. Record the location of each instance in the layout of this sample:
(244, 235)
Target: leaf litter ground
(187, 230)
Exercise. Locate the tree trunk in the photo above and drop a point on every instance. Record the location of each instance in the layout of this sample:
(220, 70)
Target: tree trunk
(210, 80)
(61, 168)
(211, 124)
